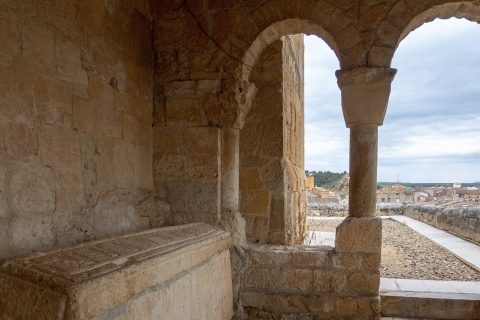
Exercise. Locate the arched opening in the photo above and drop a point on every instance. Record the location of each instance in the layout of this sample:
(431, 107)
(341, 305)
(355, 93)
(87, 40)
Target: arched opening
(428, 146)
(326, 143)
(272, 171)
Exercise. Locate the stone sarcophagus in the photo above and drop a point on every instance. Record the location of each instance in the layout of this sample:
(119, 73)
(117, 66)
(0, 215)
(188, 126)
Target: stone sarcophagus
(180, 272)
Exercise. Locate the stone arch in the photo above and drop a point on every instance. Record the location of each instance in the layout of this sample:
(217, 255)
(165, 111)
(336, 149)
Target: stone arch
(408, 15)
(276, 31)
(279, 187)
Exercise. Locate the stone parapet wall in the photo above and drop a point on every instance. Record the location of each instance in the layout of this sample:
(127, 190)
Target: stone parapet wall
(309, 282)
(462, 222)
(327, 210)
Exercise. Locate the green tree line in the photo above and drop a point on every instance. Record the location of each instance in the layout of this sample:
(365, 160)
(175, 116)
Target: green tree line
(325, 178)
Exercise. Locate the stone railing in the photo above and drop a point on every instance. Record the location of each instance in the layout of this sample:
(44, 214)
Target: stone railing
(315, 282)
(180, 272)
(327, 210)
(463, 222)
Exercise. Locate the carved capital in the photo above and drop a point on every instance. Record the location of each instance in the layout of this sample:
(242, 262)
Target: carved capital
(365, 93)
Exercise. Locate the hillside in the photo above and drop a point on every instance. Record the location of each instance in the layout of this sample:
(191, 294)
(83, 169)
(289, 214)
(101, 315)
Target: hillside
(333, 181)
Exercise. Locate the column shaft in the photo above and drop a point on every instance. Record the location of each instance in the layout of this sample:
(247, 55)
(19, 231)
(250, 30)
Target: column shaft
(363, 170)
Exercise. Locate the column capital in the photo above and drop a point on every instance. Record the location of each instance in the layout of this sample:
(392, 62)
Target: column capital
(365, 93)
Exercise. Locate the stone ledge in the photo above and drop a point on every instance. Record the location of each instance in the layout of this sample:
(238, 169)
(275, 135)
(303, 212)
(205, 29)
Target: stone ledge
(89, 279)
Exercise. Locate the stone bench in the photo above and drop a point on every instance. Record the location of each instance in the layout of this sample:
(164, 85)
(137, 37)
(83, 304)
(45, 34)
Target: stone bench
(180, 272)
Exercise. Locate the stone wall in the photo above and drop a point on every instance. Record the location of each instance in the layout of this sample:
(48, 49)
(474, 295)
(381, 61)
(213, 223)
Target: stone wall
(310, 283)
(272, 179)
(75, 122)
(462, 222)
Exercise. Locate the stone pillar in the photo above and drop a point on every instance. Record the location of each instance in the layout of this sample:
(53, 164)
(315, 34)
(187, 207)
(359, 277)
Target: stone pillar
(231, 218)
(365, 93)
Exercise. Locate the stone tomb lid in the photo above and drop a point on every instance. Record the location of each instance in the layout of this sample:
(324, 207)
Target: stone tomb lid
(94, 259)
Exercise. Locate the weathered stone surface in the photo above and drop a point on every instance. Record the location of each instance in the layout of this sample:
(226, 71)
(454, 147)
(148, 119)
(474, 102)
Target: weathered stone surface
(97, 158)
(32, 190)
(101, 278)
(59, 146)
(70, 193)
(3, 193)
(38, 47)
(29, 233)
(359, 235)
(53, 105)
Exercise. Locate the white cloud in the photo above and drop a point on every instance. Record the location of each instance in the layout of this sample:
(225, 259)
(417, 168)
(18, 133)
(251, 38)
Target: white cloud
(432, 128)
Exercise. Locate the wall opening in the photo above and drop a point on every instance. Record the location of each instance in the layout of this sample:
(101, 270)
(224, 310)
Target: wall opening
(326, 140)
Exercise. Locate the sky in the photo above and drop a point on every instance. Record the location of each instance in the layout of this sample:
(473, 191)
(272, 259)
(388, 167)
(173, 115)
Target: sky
(431, 132)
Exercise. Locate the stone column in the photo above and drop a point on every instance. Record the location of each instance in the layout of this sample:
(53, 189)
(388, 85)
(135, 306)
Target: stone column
(365, 93)
(231, 218)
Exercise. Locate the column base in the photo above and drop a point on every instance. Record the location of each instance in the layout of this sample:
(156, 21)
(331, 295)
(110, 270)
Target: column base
(359, 235)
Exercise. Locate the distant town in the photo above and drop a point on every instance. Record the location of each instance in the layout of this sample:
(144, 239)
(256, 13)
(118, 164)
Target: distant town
(328, 187)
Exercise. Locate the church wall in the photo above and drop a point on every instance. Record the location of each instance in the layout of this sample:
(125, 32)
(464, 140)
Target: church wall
(75, 122)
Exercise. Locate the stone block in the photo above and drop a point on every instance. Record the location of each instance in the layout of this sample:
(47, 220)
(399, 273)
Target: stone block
(53, 105)
(347, 261)
(3, 193)
(309, 258)
(32, 234)
(203, 140)
(116, 216)
(70, 193)
(124, 158)
(373, 262)
(327, 281)
(129, 124)
(69, 64)
(184, 112)
(250, 180)
(346, 306)
(143, 133)
(258, 277)
(168, 139)
(359, 235)
(38, 47)
(296, 279)
(202, 197)
(208, 86)
(73, 226)
(255, 202)
(59, 146)
(97, 120)
(98, 160)
(321, 304)
(9, 34)
(171, 167)
(365, 283)
(32, 190)
(173, 273)
(268, 255)
(143, 167)
(205, 168)
(91, 14)
(16, 98)
(101, 92)
(176, 193)
(18, 143)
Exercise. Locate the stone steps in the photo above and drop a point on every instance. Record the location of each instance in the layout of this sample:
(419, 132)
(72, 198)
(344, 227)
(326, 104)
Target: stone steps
(431, 305)
(428, 299)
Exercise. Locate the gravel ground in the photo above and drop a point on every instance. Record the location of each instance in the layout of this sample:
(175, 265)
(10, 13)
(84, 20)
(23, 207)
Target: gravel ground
(407, 254)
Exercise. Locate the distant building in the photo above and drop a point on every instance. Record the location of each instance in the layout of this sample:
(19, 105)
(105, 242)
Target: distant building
(392, 194)
(310, 182)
